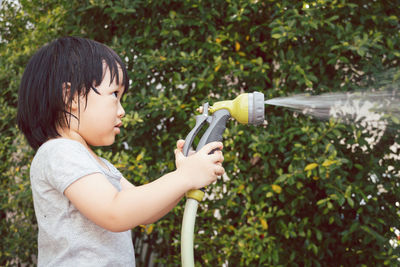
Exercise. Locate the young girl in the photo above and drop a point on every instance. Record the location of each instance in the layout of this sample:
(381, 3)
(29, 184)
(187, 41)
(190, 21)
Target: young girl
(69, 101)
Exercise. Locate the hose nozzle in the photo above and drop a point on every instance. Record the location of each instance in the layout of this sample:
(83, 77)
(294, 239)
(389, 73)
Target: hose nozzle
(246, 108)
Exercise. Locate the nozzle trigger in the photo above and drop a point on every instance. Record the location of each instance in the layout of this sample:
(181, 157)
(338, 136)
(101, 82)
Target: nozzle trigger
(200, 121)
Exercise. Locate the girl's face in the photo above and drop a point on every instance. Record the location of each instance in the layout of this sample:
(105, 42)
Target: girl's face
(100, 117)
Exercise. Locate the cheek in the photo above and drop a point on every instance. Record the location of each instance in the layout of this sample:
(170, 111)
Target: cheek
(100, 112)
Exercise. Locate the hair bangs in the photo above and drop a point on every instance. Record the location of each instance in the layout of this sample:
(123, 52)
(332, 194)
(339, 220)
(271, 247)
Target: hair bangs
(115, 66)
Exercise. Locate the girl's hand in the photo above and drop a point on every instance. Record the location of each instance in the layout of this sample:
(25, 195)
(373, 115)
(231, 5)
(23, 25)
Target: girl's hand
(200, 168)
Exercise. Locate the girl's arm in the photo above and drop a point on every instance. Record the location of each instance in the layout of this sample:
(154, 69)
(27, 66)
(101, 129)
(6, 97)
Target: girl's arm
(125, 184)
(117, 211)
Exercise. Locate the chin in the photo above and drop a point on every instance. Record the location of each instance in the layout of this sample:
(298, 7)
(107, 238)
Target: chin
(104, 143)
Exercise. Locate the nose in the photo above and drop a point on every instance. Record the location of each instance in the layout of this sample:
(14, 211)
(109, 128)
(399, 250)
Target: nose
(121, 111)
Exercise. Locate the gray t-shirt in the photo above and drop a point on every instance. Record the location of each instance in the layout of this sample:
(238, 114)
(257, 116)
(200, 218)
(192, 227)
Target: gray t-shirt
(66, 237)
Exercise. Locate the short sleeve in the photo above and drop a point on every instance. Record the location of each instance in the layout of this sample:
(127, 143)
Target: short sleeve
(62, 161)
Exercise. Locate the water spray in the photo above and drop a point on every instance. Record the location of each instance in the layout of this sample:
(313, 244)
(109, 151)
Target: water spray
(345, 107)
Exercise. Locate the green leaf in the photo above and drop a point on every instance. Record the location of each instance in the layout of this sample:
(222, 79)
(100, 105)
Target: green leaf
(311, 166)
(276, 35)
(373, 233)
(350, 201)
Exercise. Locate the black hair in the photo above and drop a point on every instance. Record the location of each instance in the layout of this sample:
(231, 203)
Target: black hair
(73, 62)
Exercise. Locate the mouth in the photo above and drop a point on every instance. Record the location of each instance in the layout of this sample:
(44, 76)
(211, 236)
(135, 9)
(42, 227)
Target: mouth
(116, 127)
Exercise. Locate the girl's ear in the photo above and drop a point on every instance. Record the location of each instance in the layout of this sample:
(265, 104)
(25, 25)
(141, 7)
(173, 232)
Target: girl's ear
(70, 103)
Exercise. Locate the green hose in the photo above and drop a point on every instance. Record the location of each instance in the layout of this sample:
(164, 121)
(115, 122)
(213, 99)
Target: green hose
(189, 218)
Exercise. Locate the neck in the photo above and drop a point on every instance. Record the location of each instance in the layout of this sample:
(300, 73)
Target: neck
(68, 134)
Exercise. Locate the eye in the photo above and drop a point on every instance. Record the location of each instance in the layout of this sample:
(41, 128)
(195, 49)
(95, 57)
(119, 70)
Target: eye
(115, 93)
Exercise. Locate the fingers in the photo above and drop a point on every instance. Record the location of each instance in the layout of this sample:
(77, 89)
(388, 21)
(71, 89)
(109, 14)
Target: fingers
(217, 157)
(191, 151)
(180, 143)
(207, 148)
(179, 155)
(179, 149)
(212, 146)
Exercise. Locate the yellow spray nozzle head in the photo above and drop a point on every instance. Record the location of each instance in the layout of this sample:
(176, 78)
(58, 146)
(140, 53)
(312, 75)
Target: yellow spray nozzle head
(246, 108)
(238, 108)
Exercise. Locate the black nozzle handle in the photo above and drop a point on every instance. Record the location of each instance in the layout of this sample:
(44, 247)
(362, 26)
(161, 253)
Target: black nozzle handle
(216, 128)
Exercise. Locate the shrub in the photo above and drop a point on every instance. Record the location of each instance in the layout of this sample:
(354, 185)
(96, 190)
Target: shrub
(298, 191)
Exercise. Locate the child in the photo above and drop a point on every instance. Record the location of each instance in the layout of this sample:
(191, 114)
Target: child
(69, 101)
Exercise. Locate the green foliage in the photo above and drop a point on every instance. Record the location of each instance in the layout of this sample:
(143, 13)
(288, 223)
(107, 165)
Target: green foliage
(300, 192)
